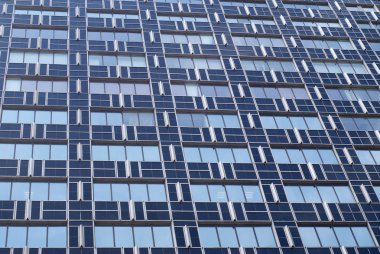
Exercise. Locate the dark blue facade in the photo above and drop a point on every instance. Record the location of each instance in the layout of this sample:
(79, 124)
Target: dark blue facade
(189, 127)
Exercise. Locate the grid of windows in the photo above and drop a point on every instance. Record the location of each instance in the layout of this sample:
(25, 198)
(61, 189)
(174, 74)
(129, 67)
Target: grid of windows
(197, 126)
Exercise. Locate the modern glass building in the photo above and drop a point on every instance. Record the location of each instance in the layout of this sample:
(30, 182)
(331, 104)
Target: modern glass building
(189, 127)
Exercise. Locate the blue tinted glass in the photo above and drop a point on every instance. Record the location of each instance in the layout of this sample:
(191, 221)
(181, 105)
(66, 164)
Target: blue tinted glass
(120, 192)
(199, 193)
(265, 237)
(104, 237)
(3, 236)
(227, 237)
(139, 192)
(208, 237)
(123, 237)
(37, 237)
(57, 237)
(246, 237)
(363, 237)
(102, 192)
(345, 236)
(309, 237)
(162, 237)
(143, 236)
(5, 191)
(16, 237)
(327, 237)
(157, 192)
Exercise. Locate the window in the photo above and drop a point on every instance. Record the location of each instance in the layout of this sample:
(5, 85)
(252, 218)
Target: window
(37, 57)
(225, 155)
(186, 39)
(290, 122)
(315, 24)
(180, 19)
(250, 21)
(236, 236)
(38, 117)
(127, 118)
(354, 94)
(263, 65)
(35, 191)
(35, 33)
(192, 63)
(258, 41)
(43, 13)
(36, 152)
(117, 88)
(33, 237)
(241, 4)
(336, 236)
(203, 120)
(111, 15)
(112, 36)
(110, 60)
(307, 6)
(369, 157)
(120, 236)
(224, 193)
(326, 44)
(315, 156)
(126, 192)
(199, 90)
(18, 85)
(277, 93)
(319, 194)
(360, 124)
(354, 68)
(122, 153)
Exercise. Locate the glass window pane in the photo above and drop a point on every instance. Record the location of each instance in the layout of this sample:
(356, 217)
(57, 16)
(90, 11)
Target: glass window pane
(265, 237)
(310, 194)
(99, 153)
(294, 195)
(104, 237)
(280, 156)
(20, 191)
(5, 191)
(23, 152)
(39, 191)
(208, 154)
(309, 237)
(328, 194)
(120, 192)
(327, 237)
(208, 237)
(3, 236)
(57, 237)
(328, 156)
(157, 192)
(191, 154)
(241, 155)
(139, 192)
(143, 237)
(345, 236)
(102, 192)
(123, 237)
(344, 194)
(246, 237)
(199, 193)
(58, 152)
(134, 153)
(225, 155)
(217, 193)
(162, 237)
(117, 153)
(16, 237)
(235, 193)
(252, 193)
(37, 237)
(227, 237)
(57, 191)
(151, 153)
(363, 237)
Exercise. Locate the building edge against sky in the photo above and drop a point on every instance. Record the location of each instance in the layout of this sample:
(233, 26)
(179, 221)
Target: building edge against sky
(191, 126)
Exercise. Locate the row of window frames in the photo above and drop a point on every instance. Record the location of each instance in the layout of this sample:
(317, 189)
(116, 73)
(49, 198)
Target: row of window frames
(178, 38)
(148, 119)
(35, 151)
(33, 237)
(302, 156)
(39, 191)
(173, 62)
(191, 90)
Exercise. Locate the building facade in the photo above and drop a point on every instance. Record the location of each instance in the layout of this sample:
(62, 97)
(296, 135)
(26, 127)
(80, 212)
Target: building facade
(189, 127)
